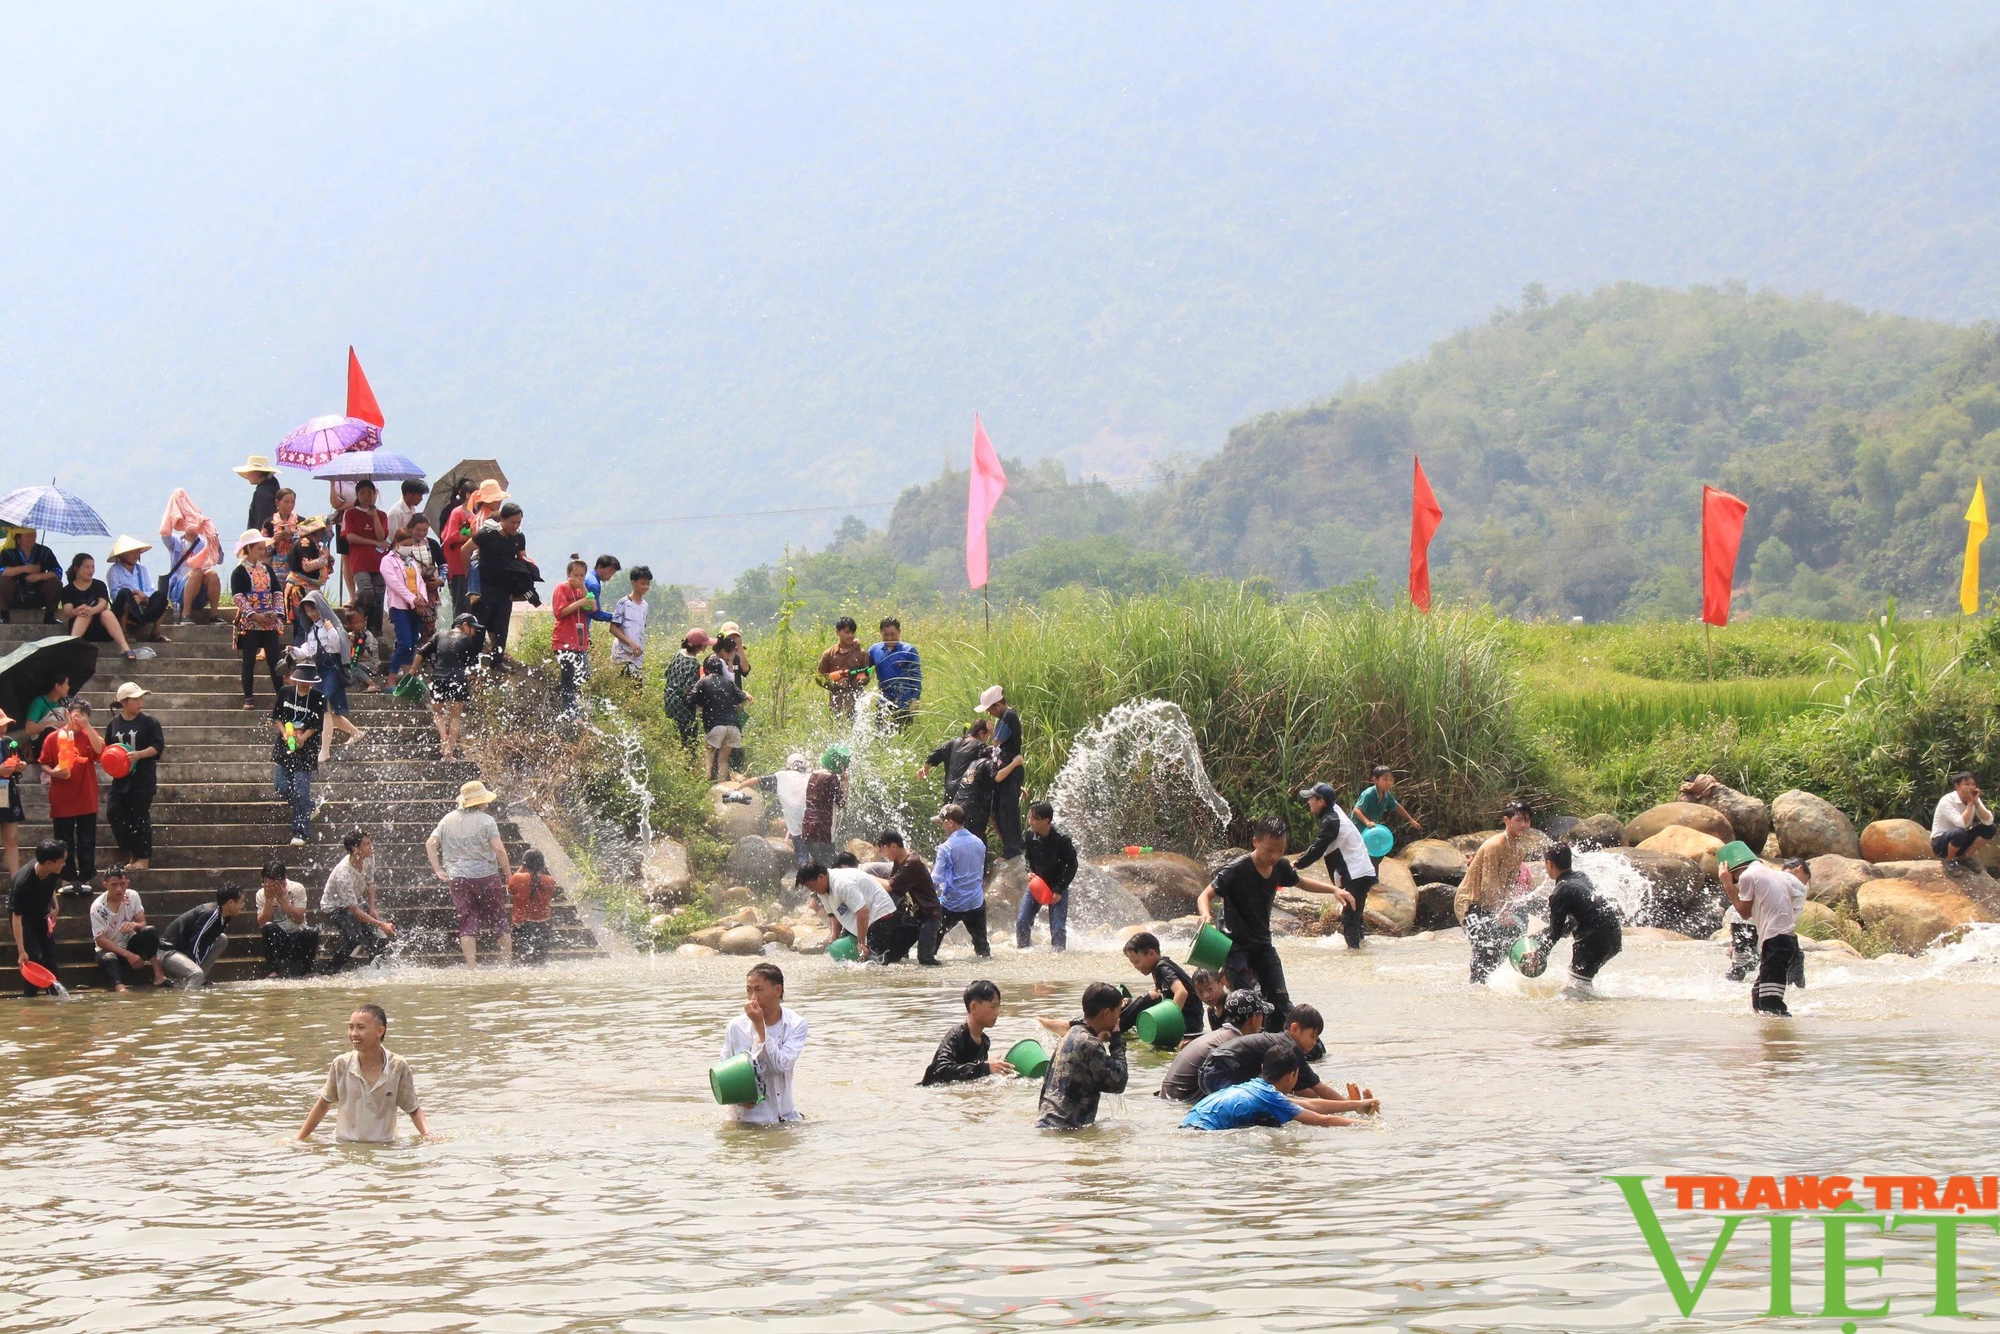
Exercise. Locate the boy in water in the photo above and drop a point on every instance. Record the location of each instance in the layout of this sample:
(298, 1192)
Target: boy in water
(1242, 1012)
(1377, 802)
(367, 1085)
(774, 1036)
(1348, 864)
(1212, 991)
(1264, 1101)
(1247, 887)
(1089, 1062)
(967, 1052)
(1576, 910)
(1239, 1060)
(1170, 982)
(1771, 899)
(1496, 879)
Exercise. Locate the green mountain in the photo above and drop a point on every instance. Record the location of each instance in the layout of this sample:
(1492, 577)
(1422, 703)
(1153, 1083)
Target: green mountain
(1567, 442)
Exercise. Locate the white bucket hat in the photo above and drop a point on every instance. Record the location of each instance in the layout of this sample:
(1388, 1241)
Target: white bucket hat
(990, 696)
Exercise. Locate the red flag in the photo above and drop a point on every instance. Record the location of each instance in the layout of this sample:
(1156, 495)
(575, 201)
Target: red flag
(1721, 534)
(360, 398)
(989, 479)
(1424, 519)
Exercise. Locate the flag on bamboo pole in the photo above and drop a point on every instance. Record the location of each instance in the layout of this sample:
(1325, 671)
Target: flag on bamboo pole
(1721, 535)
(360, 398)
(1424, 519)
(989, 479)
(1975, 533)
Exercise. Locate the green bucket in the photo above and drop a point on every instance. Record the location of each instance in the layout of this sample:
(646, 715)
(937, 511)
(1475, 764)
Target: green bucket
(1028, 1058)
(844, 949)
(1529, 961)
(1163, 1025)
(1210, 948)
(734, 1082)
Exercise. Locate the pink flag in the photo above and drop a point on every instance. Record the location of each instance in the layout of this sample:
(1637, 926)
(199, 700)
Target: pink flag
(989, 479)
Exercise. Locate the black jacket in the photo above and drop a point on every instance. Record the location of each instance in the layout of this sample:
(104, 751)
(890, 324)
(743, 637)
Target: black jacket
(959, 1058)
(1575, 909)
(1052, 856)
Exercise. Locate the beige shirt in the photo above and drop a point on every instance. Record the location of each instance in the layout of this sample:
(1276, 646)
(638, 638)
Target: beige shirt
(1493, 876)
(367, 1112)
(295, 896)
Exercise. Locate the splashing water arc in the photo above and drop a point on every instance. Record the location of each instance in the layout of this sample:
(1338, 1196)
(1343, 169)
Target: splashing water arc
(1135, 776)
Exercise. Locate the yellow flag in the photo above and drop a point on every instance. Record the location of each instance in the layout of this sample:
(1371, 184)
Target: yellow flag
(1975, 533)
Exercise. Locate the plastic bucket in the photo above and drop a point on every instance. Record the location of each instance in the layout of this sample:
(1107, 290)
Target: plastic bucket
(1378, 840)
(844, 949)
(734, 1082)
(35, 975)
(1210, 948)
(1028, 1058)
(1527, 957)
(1039, 889)
(1163, 1025)
(117, 761)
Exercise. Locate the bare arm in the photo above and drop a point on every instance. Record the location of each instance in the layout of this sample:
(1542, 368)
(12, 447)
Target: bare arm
(431, 851)
(1324, 1119)
(423, 1126)
(500, 853)
(318, 1113)
(1205, 904)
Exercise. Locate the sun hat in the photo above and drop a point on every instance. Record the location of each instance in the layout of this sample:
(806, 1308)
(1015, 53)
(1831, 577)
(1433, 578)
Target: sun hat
(251, 538)
(312, 523)
(125, 544)
(256, 463)
(728, 628)
(797, 763)
(131, 690)
(489, 493)
(1324, 791)
(698, 638)
(990, 696)
(475, 793)
(305, 672)
(1734, 855)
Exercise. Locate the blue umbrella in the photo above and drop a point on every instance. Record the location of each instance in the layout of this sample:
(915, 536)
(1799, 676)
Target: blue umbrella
(378, 464)
(47, 509)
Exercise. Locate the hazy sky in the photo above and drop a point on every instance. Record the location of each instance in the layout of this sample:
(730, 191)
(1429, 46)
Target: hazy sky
(701, 260)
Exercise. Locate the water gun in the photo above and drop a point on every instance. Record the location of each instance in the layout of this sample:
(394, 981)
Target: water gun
(291, 737)
(1133, 850)
(67, 753)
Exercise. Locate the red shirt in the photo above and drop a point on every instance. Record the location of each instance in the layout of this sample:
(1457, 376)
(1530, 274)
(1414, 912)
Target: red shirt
(355, 521)
(529, 896)
(572, 607)
(77, 794)
(457, 538)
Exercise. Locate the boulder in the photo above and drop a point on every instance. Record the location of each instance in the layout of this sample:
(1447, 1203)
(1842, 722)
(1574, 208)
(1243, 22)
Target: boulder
(1818, 918)
(663, 875)
(748, 915)
(1432, 861)
(1668, 813)
(1954, 877)
(1603, 829)
(863, 850)
(1835, 878)
(742, 940)
(1810, 826)
(1834, 945)
(734, 819)
(708, 937)
(1469, 843)
(1676, 896)
(1099, 903)
(1896, 841)
(1748, 816)
(753, 862)
(1392, 903)
(1560, 826)
(779, 933)
(1221, 857)
(1914, 917)
(1166, 882)
(734, 894)
(1682, 841)
(690, 950)
(1434, 907)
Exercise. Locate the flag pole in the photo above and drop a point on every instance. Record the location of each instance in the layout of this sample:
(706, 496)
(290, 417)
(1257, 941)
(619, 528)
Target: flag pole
(1708, 638)
(986, 598)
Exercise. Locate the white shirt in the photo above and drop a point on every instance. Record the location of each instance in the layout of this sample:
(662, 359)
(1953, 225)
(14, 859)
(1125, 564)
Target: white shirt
(367, 1111)
(295, 896)
(1775, 899)
(119, 927)
(630, 617)
(776, 1057)
(849, 891)
(347, 885)
(1953, 815)
(1352, 850)
(465, 844)
(399, 517)
(791, 785)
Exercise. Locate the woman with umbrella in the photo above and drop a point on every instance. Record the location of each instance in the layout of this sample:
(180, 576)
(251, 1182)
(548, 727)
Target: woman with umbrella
(85, 604)
(29, 575)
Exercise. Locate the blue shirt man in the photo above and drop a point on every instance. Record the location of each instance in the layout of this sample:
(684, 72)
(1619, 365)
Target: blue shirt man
(899, 673)
(594, 582)
(133, 579)
(1254, 1102)
(959, 871)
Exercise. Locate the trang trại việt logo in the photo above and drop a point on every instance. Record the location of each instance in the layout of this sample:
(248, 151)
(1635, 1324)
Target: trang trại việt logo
(1947, 1208)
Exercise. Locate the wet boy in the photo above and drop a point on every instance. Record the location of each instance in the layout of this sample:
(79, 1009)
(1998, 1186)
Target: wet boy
(967, 1051)
(367, 1085)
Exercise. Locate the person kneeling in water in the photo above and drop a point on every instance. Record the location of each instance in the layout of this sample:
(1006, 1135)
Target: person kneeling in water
(1576, 910)
(1264, 1101)
(967, 1052)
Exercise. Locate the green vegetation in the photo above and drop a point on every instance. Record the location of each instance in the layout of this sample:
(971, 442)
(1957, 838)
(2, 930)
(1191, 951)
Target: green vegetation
(1568, 442)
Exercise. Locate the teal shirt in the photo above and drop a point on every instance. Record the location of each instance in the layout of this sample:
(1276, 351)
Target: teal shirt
(1376, 804)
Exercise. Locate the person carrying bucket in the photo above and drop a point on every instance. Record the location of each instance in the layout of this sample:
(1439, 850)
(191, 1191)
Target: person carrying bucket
(1348, 864)
(770, 1037)
(967, 1051)
(1575, 908)
(1496, 879)
(1247, 887)
(1051, 861)
(1376, 802)
(1772, 899)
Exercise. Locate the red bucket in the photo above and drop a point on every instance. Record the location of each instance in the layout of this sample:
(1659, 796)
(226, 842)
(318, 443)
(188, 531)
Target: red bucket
(1039, 888)
(117, 762)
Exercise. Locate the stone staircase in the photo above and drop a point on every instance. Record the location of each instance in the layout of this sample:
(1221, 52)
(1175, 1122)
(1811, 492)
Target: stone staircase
(218, 817)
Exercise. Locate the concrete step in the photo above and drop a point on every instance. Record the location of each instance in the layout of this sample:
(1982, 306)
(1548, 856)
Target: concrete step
(236, 966)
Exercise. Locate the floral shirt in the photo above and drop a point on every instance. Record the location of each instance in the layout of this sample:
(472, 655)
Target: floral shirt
(1085, 1066)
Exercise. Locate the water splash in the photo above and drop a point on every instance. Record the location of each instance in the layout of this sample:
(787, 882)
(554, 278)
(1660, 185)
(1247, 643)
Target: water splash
(1616, 881)
(1135, 776)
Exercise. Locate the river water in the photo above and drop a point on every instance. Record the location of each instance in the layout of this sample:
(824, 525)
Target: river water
(582, 1179)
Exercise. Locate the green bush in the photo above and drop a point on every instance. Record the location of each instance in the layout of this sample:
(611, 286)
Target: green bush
(1660, 651)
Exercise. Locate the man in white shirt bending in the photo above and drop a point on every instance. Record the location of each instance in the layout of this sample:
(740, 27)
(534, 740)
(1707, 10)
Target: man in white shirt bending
(856, 902)
(775, 1037)
(1772, 900)
(1961, 825)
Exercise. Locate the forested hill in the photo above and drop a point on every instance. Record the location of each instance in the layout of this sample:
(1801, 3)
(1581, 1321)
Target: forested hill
(1567, 441)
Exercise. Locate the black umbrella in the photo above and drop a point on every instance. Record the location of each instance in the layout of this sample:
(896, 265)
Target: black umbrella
(31, 669)
(438, 506)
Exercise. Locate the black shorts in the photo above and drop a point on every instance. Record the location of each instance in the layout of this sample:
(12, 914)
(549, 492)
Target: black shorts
(1960, 839)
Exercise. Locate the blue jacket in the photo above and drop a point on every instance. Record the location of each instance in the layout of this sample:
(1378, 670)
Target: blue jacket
(959, 870)
(898, 672)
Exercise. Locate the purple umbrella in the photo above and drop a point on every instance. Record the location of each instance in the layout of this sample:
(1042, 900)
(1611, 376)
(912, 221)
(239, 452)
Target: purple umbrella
(377, 464)
(317, 442)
